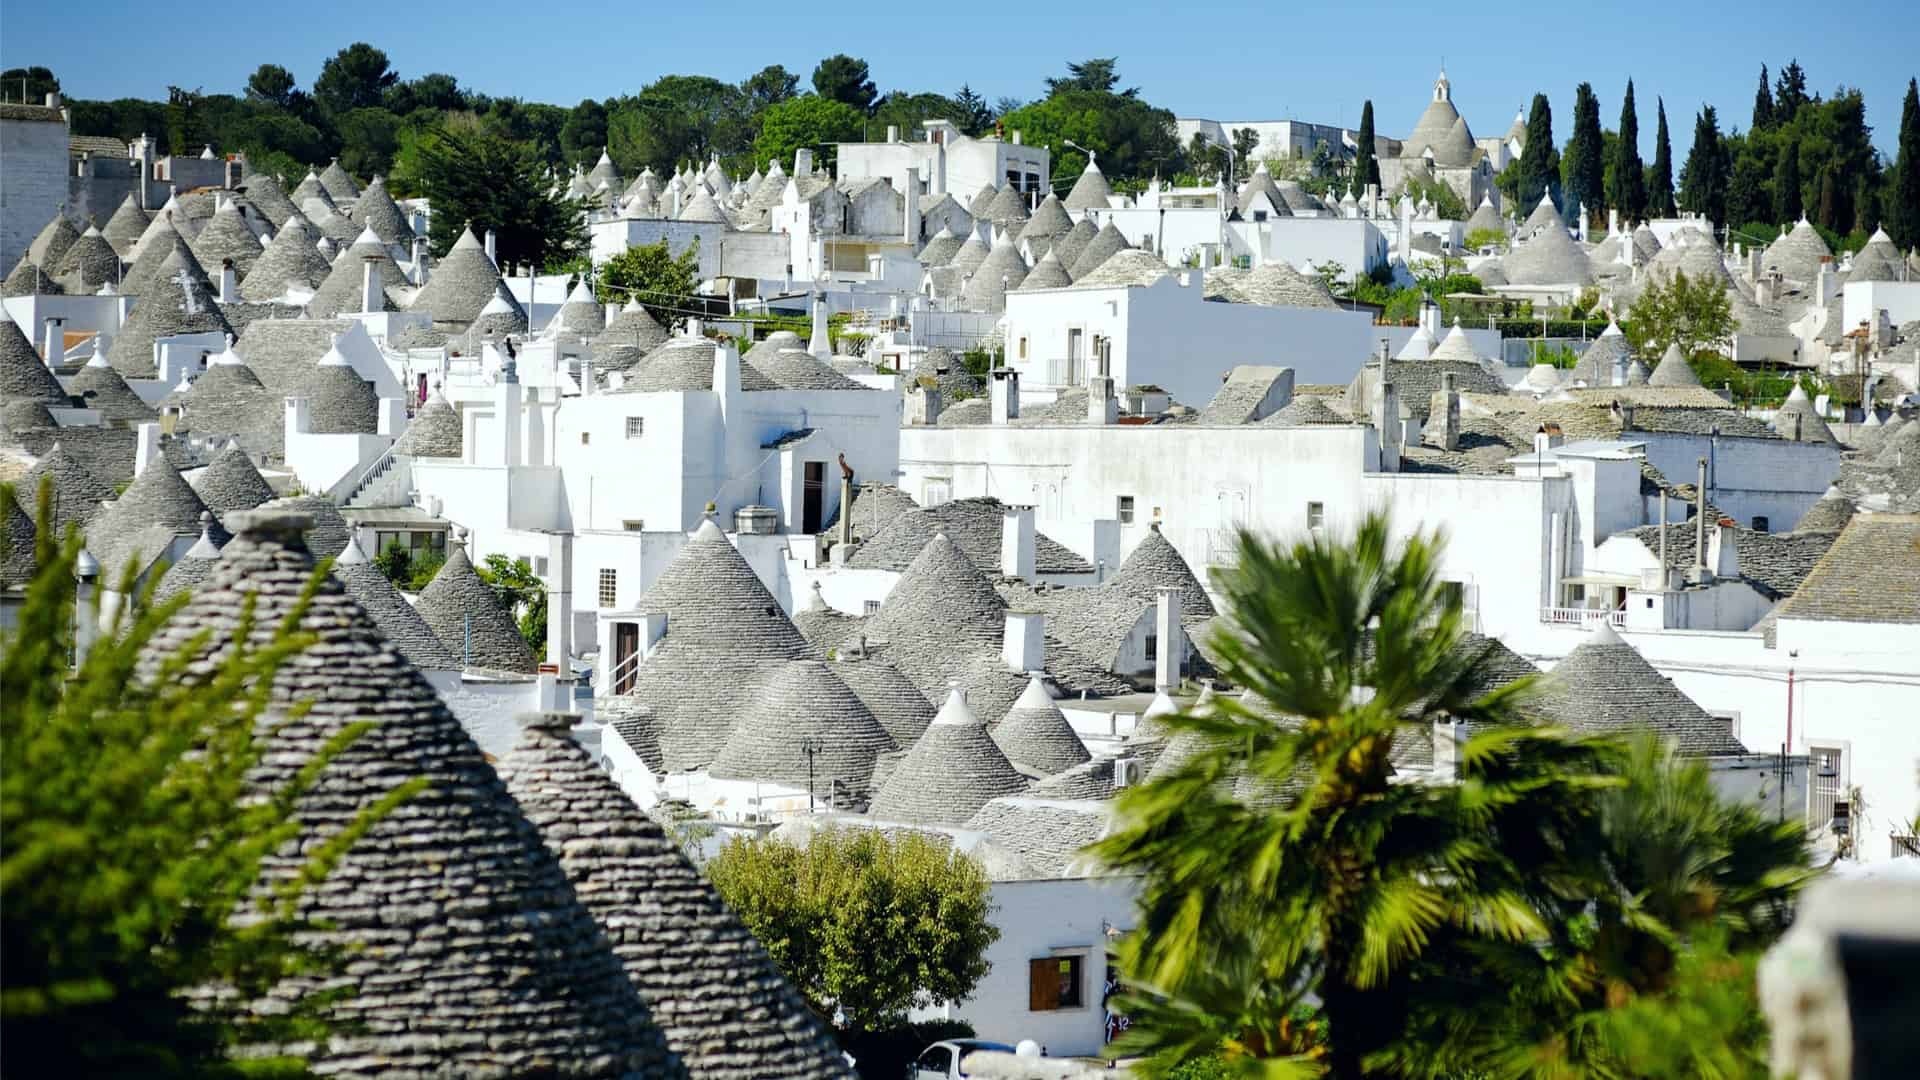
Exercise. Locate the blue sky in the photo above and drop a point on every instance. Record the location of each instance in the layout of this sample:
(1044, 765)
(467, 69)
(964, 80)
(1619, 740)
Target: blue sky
(1225, 60)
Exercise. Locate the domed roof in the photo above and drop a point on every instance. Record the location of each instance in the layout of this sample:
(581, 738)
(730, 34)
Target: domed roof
(460, 285)
(1440, 129)
(376, 210)
(231, 483)
(949, 774)
(434, 432)
(1673, 370)
(227, 236)
(1090, 191)
(390, 611)
(467, 616)
(22, 373)
(291, 260)
(1104, 245)
(340, 294)
(124, 229)
(1002, 271)
(1605, 686)
(88, 264)
(805, 701)
(1036, 734)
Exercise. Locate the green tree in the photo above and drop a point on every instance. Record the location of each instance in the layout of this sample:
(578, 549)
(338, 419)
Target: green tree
(865, 924)
(1762, 104)
(1626, 181)
(1694, 314)
(476, 177)
(186, 122)
(844, 79)
(1246, 140)
(1132, 138)
(28, 84)
(1366, 167)
(1585, 163)
(907, 111)
(1790, 93)
(368, 141)
(1903, 193)
(584, 135)
(436, 90)
(1100, 75)
(1787, 206)
(1539, 161)
(134, 843)
(650, 273)
(271, 84)
(1749, 186)
(1660, 174)
(1703, 179)
(521, 592)
(356, 77)
(812, 121)
(769, 86)
(975, 108)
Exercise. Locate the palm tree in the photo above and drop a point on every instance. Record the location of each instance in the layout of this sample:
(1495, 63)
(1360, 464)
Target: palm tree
(1286, 863)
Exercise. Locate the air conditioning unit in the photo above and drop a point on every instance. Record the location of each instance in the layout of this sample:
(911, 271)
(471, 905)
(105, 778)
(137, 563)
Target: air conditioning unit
(1126, 772)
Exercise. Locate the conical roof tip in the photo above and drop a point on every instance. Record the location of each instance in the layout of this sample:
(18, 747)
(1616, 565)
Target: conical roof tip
(955, 710)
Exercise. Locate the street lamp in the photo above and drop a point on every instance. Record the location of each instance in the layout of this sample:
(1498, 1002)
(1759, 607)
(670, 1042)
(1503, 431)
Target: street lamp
(810, 745)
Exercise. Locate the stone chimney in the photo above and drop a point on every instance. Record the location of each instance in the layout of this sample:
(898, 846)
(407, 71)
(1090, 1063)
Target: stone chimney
(1445, 413)
(52, 348)
(1102, 406)
(560, 600)
(1723, 553)
(1004, 390)
(146, 447)
(820, 343)
(491, 256)
(1017, 543)
(910, 195)
(1826, 283)
(370, 296)
(229, 283)
(1169, 657)
(1700, 573)
(1023, 644)
(420, 259)
(923, 404)
(1387, 422)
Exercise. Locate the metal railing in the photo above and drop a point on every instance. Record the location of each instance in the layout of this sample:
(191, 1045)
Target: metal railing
(614, 675)
(1573, 616)
(350, 487)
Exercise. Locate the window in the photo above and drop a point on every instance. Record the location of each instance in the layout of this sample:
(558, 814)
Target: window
(1123, 509)
(609, 586)
(633, 525)
(1056, 982)
(871, 607)
(1760, 523)
(1829, 783)
(1153, 648)
(1023, 348)
(938, 1060)
(585, 438)
(938, 490)
(1316, 515)
(635, 426)
(540, 566)
(1259, 215)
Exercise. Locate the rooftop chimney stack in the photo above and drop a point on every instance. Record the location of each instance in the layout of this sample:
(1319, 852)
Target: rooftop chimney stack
(1723, 552)
(1102, 406)
(923, 404)
(1005, 393)
(1446, 411)
(1017, 543)
(52, 349)
(1023, 644)
(560, 601)
(1700, 573)
(491, 256)
(1170, 635)
(229, 283)
(370, 296)
(146, 447)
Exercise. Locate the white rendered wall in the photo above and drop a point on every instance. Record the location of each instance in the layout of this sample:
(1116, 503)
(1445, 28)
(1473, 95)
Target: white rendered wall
(1863, 301)
(33, 185)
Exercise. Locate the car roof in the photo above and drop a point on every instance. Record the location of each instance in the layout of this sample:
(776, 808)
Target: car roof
(980, 1044)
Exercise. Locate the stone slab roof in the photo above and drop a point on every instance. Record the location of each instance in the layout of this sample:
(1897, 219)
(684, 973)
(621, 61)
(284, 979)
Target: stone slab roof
(467, 616)
(804, 701)
(390, 611)
(1605, 686)
(230, 482)
(1035, 734)
(949, 774)
(975, 525)
(1871, 573)
(1048, 834)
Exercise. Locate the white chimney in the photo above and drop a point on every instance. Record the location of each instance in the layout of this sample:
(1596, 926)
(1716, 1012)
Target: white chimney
(86, 606)
(490, 250)
(923, 405)
(52, 348)
(653, 627)
(229, 283)
(370, 297)
(820, 343)
(1005, 393)
(146, 447)
(587, 388)
(1723, 553)
(1172, 642)
(560, 600)
(1102, 406)
(1023, 645)
(802, 162)
(299, 417)
(1447, 737)
(507, 405)
(393, 417)
(1446, 412)
(893, 133)
(911, 194)
(1017, 543)
(420, 259)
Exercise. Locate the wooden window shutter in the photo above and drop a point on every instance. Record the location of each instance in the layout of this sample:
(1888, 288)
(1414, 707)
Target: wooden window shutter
(1043, 984)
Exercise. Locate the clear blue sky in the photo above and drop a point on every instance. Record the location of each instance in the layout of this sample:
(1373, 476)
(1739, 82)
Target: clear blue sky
(1235, 60)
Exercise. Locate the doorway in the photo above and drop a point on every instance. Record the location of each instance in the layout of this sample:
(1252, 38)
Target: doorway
(626, 642)
(813, 497)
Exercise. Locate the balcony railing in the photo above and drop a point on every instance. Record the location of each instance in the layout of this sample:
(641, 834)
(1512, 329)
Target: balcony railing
(1576, 616)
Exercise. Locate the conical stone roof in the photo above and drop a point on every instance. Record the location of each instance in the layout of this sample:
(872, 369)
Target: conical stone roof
(22, 373)
(19, 561)
(703, 207)
(77, 492)
(709, 983)
(466, 615)
(716, 605)
(1797, 413)
(435, 431)
(1550, 258)
(310, 189)
(89, 264)
(1125, 268)
(970, 255)
(161, 242)
(1456, 346)
(1046, 274)
(1606, 687)
(226, 236)
(1105, 244)
(941, 249)
(196, 566)
(48, 247)
(949, 774)
(1036, 734)
(1673, 370)
(982, 202)
(158, 497)
(887, 693)
(634, 326)
(340, 402)
(28, 279)
(1485, 219)
(169, 307)
(124, 229)
(460, 285)
(263, 190)
(99, 386)
(1008, 205)
(1797, 253)
(292, 259)
(341, 188)
(390, 611)
(504, 971)
(582, 314)
(229, 400)
(1090, 191)
(1277, 284)
(339, 294)
(231, 483)
(1049, 219)
(1002, 271)
(1596, 364)
(327, 531)
(1069, 246)
(377, 211)
(805, 700)
(1829, 515)
(1155, 564)
(941, 607)
(1544, 218)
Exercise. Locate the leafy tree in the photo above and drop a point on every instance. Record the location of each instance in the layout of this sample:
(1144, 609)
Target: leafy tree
(1790, 93)
(1539, 161)
(1246, 140)
(1100, 75)
(1447, 204)
(1585, 163)
(1005, 104)
(1366, 168)
(650, 273)
(584, 135)
(978, 114)
(844, 79)
(1132, 138)
(28, 84)
(134, 845)
(521, 592)
(1626, 181)
(478, 178)
(1660, 174)
(433, 91)
(271, 84)
(813, 121)
(866, 925)
(906, 112)
(1787, 206)
(1692, 313)
(1903, 191)
(769, 86)
(1703, 179)
(368, 140)
(1749, 188)
(1762, 104)
(649, 131)
(356, 77)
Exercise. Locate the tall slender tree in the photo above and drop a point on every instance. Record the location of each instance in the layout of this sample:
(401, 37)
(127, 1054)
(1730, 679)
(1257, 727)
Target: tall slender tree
(1627, 182)
(1786, 184)
(1903, 194)
(1539, 164)
(1763, 103)
(1660, 176)
(1826, 212)
(1585, 164)
(1790, 93)
(1366, 168)
(1703, 179)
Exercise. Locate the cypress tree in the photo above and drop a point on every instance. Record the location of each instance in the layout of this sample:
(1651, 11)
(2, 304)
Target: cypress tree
(1627, 183)
(1539, 168)
(1585, 169)
(1903, 193)
(1786, 184)
(1703, 179)
(1763, 103)
(1366, 169)
(1790, 93)
(1660, 177)
(1829, 206)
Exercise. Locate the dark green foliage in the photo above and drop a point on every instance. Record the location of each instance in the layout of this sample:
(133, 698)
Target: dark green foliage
(771, 85)
(650, 273)
(1585, 164)
(1903, 193)
(979, 115)
(1539, 165)
(1762, 104)
(477, 178)
(1246, 140)
(521, 592)
(885, 1054)
(410, 569)
(1100, 75)
(1786, 186)
(1790, 93)
(357, 77)
(1704, 178)
(1132, 138)
(844, 79)
(584, 135)
(811, 122)
(1660, 173)
(133, 842)
(1749, 188)
(28, 84)
(1366, 167)
(906, 112)
(271, 84)
(1626, 180)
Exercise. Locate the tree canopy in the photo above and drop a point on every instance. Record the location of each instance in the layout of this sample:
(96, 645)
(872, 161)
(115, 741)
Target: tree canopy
(477, 178)
(844, 79)
(661, 281)
(809, 121)
(1539, 165)
(1626, 179)
(356, 77)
